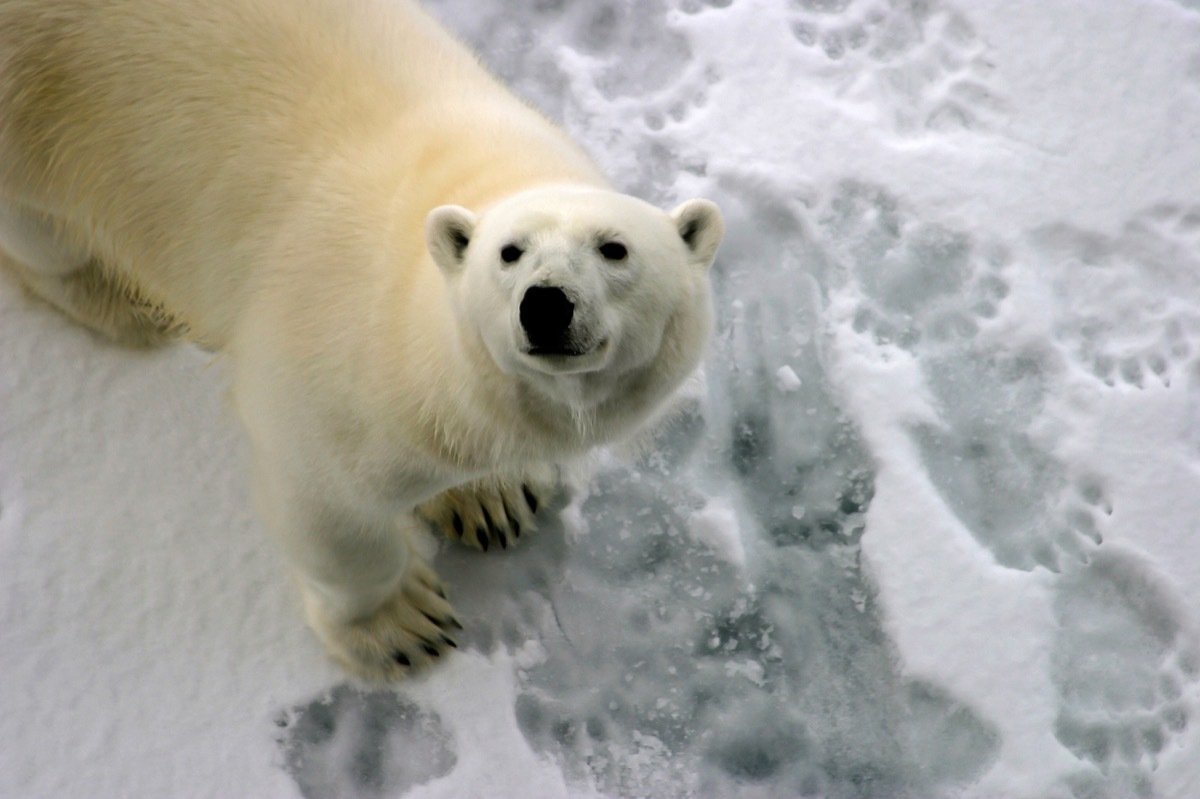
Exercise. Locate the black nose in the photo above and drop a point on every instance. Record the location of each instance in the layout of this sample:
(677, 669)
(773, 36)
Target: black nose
(546, 316)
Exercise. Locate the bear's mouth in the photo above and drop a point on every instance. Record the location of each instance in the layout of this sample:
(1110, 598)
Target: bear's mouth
(568, 358)
(565, 350)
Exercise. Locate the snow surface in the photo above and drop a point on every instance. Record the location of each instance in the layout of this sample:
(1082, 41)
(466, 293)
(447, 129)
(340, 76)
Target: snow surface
(929, 529)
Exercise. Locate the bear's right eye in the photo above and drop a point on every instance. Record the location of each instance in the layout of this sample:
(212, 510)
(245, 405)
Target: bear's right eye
(613, 251)
(511, 254)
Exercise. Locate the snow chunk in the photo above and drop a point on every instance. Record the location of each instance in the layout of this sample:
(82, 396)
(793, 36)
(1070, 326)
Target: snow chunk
(786, 379)
(717, 526)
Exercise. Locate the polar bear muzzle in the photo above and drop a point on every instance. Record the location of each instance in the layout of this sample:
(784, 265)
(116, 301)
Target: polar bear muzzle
(546, 313)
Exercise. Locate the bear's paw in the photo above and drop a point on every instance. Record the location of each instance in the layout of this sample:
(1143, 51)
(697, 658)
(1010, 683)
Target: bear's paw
(491, 512)
(413, 628)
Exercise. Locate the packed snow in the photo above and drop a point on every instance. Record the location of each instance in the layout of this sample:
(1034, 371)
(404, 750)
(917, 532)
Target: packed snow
(928, 525)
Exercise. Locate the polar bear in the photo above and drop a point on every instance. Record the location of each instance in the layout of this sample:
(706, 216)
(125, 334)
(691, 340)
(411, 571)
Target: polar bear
(428, 295)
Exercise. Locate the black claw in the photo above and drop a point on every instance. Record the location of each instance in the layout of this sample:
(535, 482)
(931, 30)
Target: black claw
(449, 642)
(530, 499)
(509, 517)
(431, 650)
(502, 538)
(458, 525)
(487, 520)
(455, 623)
(440, 591)
(402, 659)
(482, 538)
(516, 528)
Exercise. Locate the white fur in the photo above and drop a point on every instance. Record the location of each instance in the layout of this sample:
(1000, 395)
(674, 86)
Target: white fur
(322, 190)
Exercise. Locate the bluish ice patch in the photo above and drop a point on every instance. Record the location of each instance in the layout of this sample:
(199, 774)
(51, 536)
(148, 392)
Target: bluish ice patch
(675, 669)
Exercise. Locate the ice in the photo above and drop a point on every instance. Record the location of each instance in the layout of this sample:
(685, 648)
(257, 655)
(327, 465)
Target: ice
(928, 529)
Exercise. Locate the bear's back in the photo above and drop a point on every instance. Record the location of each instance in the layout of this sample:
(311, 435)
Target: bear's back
(178, 142)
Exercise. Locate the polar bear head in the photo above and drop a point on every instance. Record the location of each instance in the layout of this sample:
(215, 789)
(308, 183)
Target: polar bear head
(582, 292)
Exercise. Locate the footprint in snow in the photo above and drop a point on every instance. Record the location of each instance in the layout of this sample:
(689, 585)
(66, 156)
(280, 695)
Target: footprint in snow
(1150, 273)
(1121, 664)
(921, 65)
(354, 745)
(1013, 495)
(938, 293)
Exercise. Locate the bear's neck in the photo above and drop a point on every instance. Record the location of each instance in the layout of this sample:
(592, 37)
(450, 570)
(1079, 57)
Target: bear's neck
(495, 419)
(477, 419)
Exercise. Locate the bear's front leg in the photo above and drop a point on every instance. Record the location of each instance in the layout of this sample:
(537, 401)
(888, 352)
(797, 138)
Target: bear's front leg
(492, 511)
(377, 606)
(412, 627)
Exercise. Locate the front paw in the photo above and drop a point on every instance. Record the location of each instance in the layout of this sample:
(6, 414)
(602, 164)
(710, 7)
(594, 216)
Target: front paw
(492, 511)
(412, 628)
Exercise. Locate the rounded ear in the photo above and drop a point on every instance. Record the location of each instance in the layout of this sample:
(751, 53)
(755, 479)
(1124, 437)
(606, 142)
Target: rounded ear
(448, 230)
(701, 227)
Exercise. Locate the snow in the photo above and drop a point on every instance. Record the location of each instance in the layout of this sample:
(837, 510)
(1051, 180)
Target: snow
(930, 530)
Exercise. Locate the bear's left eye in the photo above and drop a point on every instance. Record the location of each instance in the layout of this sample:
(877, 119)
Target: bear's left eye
(511, 254)
(613, 251)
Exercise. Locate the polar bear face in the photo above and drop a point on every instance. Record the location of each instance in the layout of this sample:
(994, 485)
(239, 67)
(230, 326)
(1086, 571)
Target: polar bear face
(569, 281)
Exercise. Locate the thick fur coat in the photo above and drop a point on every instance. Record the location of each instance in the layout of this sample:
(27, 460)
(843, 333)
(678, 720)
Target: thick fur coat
(428, 294)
